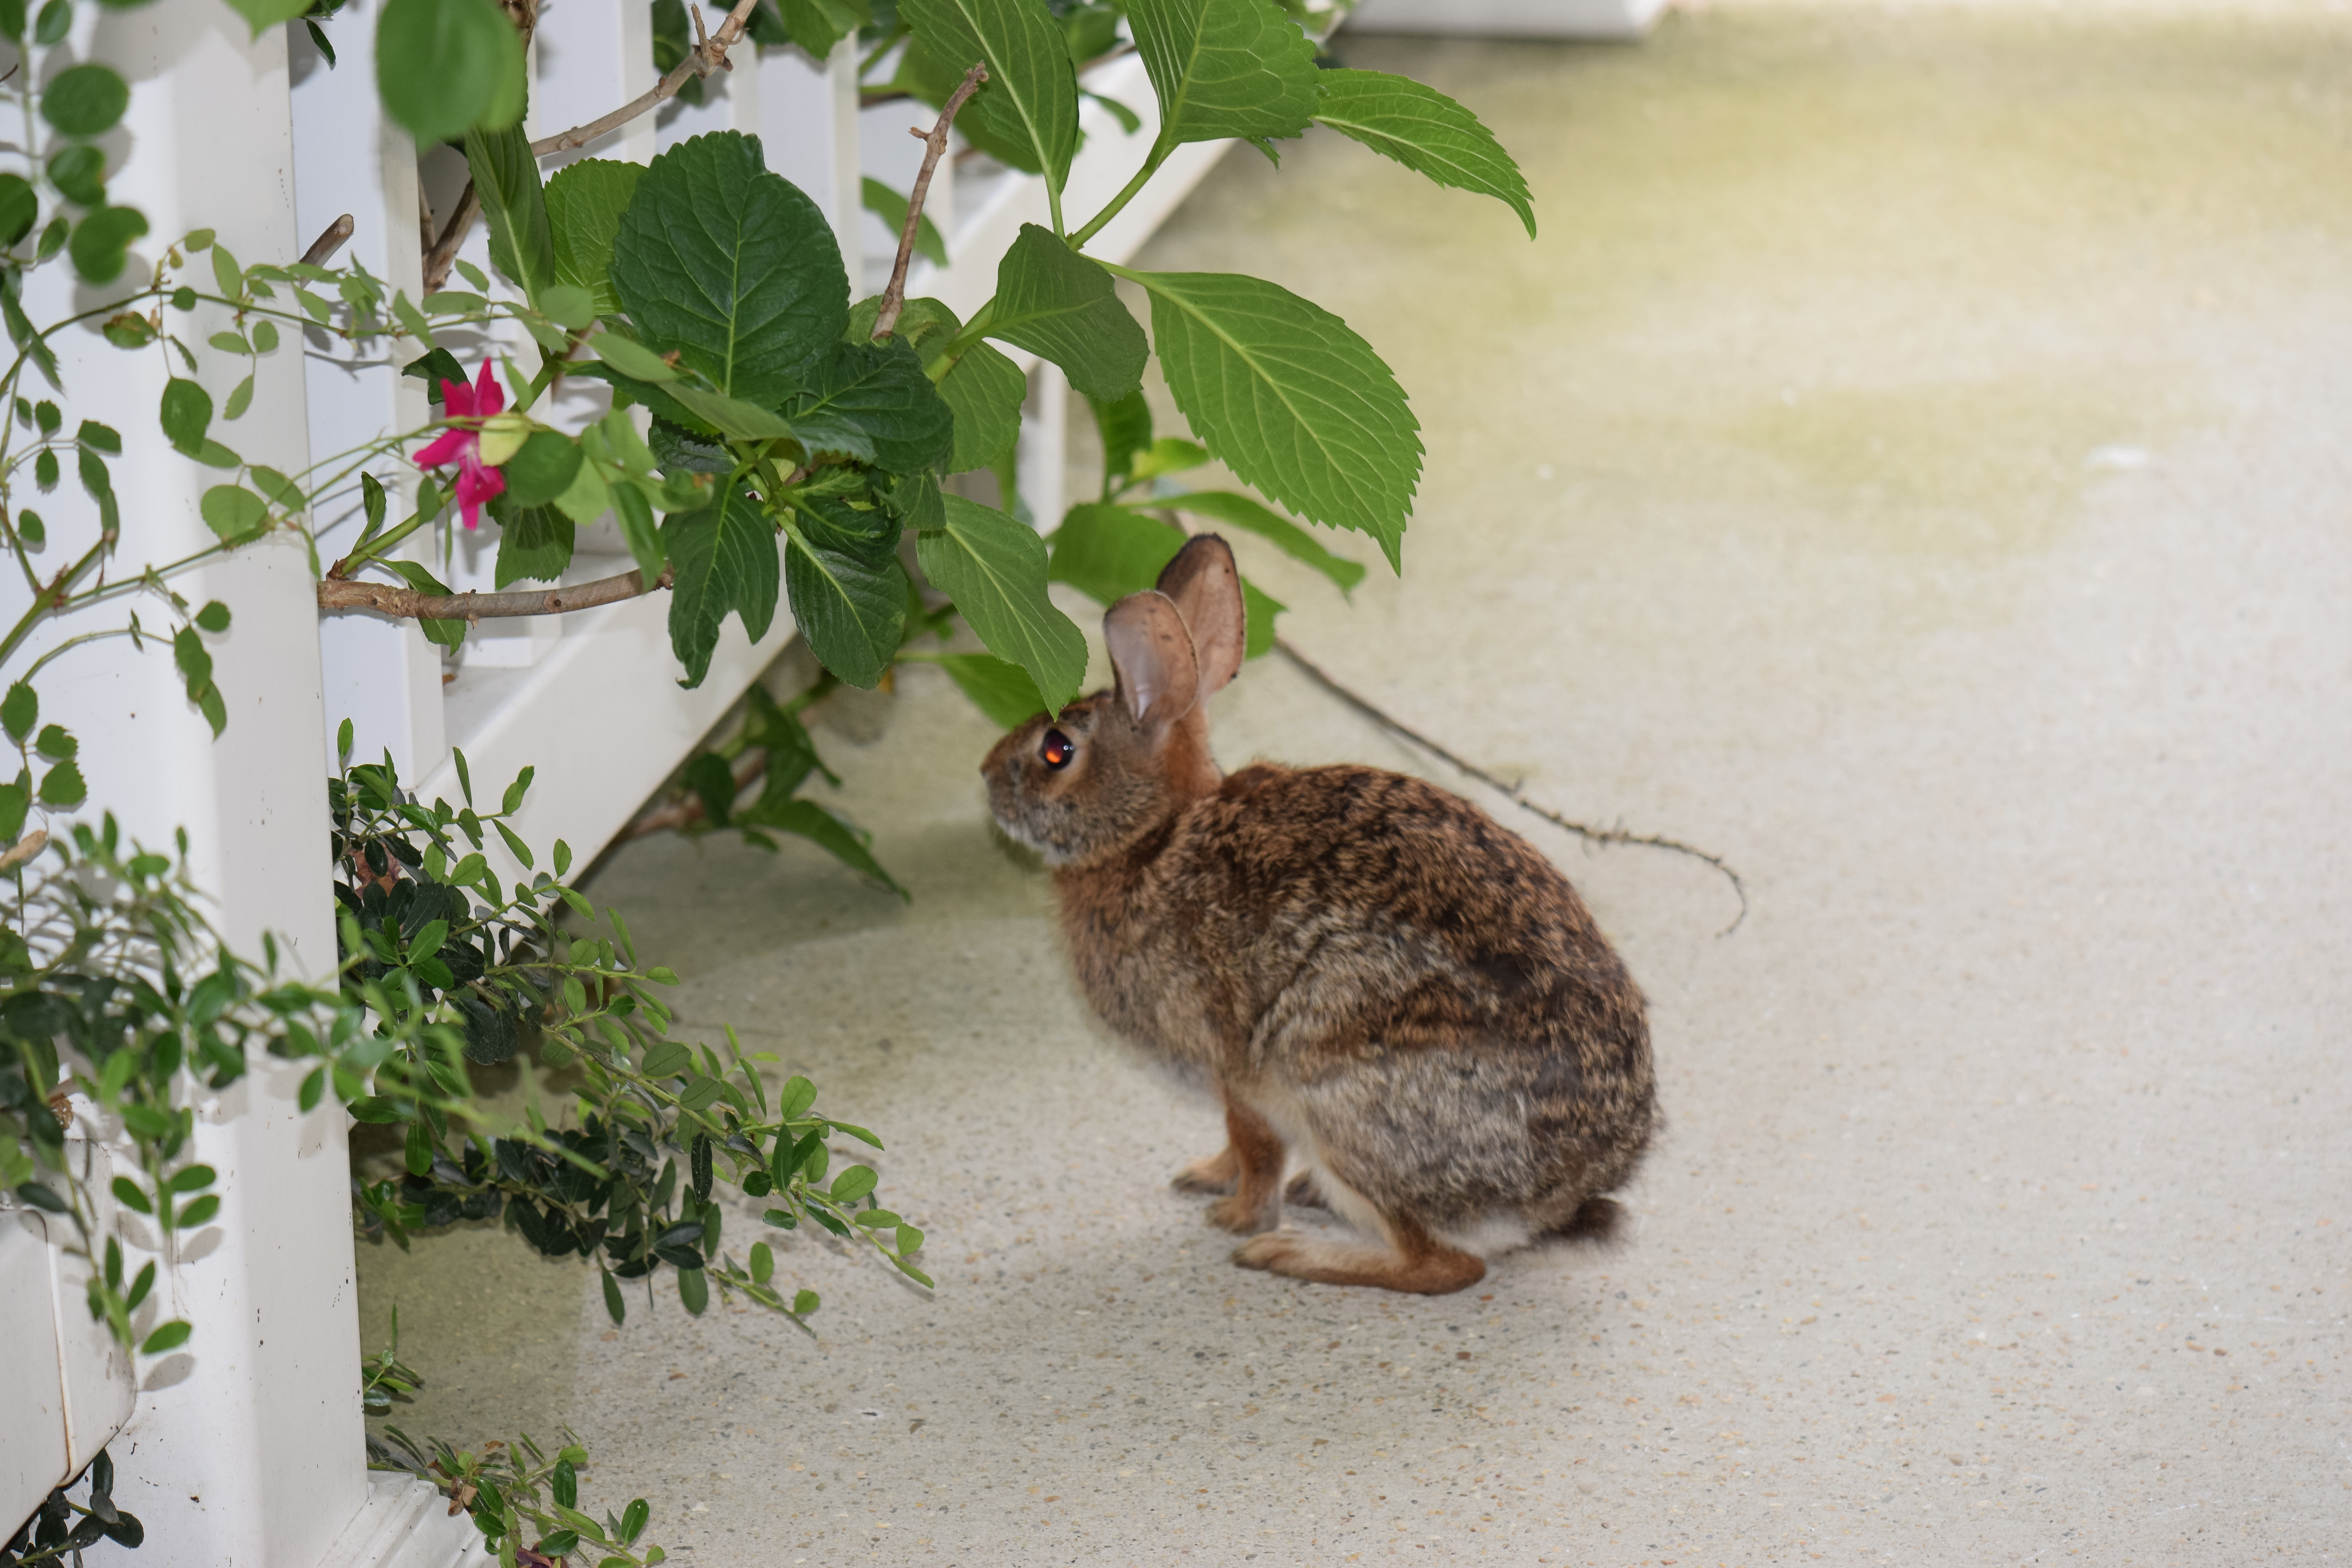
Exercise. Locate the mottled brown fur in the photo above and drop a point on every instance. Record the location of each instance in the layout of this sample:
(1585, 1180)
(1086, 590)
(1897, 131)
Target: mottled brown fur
(1369, 970)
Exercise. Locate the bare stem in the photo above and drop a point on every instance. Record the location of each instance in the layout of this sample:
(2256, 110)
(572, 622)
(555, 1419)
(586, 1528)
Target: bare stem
(1399, 728)
(894, 297)
(408, 603)
(705, 57)
(444, 254)
(329, 242)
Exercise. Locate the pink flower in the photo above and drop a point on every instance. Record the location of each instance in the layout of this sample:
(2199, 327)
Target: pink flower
(464, 408)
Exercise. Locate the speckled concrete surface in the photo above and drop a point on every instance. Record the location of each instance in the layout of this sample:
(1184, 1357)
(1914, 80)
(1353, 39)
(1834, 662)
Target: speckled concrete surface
(1911, 464)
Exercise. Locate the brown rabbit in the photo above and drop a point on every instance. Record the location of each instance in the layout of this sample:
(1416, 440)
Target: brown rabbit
(1368, 970)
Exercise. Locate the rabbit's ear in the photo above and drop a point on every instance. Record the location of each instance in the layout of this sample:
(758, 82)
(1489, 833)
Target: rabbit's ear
(1207, 591)
(1158, 678)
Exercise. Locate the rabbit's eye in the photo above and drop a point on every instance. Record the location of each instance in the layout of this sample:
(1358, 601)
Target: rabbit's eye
(1058, 750)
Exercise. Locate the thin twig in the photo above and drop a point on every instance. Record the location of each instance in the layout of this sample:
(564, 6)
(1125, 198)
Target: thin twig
(330, 241)
(704, 58)
(1398, 727)
(444, 254)
(894, 297)
(408, 603)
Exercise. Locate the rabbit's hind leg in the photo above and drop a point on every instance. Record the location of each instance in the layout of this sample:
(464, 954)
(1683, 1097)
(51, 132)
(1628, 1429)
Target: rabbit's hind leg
(1256, 1202)
(1413, 1260)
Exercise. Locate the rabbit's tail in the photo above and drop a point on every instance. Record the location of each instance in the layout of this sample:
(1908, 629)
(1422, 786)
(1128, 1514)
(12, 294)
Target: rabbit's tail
(1595, 1219)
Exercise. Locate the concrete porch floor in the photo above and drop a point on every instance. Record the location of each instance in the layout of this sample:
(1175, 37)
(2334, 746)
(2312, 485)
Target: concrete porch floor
(1911, 465)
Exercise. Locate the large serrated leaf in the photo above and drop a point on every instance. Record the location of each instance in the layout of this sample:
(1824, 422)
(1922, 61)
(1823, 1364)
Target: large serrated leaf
(848, 595)
(986, 391)
(1288, 398)
(1426, 132)
(534, 543)
(1032, 94)
(730, 264)
(1224, 68)
(584, 204)
(1065, 307)
(872, 401)
(723, 558)
(994, 568)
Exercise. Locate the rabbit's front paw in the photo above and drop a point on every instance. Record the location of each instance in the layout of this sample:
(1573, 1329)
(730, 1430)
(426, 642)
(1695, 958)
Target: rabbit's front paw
(1244, 1216)
(1209, 1174)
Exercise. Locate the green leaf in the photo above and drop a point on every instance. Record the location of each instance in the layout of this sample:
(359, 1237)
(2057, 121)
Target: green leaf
(1224, 68)
(101, 242)
(1426, 132)
(985, 390)
(694, 1290)
(994, 569)
(630, 358)
(15, 800)
(534, 545)
(187, 414)
(233, 511)
(816, 25)
(1241, 512)
(79, 174)
(1258, 610)
(19, 206)
(541, 470)
(130, 1195)
(872, 401)
(732, 264)
(443, 66)
(732, 415)
(1126, 429)
(1109, 551)
(213, 617)
(885, 204)
(54, 743)
(263, 15)
(614, 1307)
(170, 1337)
(1289, 399)
(854, 1184)
(584, 204)
(506, 179)
(442, 633)
(849, 602)
(806, 819)
(85, 100)
(1032, 96)
(724, 559)
(634, 516)
(1003, 692)
(763, 1262)
(1063, 306)
(19, 711)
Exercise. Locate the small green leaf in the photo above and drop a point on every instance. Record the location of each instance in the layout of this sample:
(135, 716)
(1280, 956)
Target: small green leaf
(631, 357)
(54, 743)
(198, 1211)
(79, 176)
(86, 100)
(694, 1290)
(187, 414)
(614, 1307)
(101, 242)
(128, 1194)
(1426, 132)
(994, 569)
(170, 1337)
(232, 511)
(19, 711)
(803, 1303)
(62, 786)
(263, 15)
(541, 470)
(854, 1184)
(19, 207)
(441, 65)
(763, 1262)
